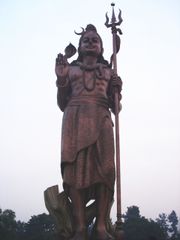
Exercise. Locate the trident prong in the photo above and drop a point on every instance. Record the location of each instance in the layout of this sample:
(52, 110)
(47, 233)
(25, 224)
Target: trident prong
(119, 17)
(113, 23)
(107, 20)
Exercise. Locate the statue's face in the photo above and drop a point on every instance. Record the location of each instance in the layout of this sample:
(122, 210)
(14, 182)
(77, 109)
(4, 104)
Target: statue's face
(91, 44)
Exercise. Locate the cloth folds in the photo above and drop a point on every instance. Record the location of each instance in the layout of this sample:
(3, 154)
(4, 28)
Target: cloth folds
(87, 151)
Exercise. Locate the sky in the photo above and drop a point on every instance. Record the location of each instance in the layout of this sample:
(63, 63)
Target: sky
(32, 34)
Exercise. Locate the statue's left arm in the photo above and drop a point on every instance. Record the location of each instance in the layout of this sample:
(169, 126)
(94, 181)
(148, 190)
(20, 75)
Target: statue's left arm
(115, 85)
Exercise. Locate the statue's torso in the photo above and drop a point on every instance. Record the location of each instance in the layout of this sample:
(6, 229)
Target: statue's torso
(86, 110)
(89, 82)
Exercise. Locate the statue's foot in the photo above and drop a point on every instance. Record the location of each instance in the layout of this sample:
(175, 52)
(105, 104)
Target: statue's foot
(82, 235)
(104, 236)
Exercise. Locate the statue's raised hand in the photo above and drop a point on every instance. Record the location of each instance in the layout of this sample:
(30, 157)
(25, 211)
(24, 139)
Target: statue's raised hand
(62, 66)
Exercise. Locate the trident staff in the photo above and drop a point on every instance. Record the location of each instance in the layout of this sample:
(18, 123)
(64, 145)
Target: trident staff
(116, 47)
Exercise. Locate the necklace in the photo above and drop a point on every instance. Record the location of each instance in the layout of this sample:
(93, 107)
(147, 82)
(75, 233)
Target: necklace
(86, 86)
(98, 72)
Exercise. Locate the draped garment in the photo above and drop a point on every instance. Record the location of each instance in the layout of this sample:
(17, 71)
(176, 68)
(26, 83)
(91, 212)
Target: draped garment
(87, 146)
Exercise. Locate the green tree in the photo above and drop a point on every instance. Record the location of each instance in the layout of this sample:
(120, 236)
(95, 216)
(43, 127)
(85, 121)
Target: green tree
(132, 213)
(20, 230)
(162, 220)
(173, 220)
(7, 224)
(40, 227)
(137, 227)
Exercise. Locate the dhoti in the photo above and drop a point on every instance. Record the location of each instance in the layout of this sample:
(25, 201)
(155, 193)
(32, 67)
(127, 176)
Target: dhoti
(87, 152)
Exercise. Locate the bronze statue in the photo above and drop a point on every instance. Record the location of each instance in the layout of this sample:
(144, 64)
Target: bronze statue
(86, 94)
(86, 90)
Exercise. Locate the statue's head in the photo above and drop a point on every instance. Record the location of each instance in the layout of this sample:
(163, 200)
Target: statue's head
(90, 43)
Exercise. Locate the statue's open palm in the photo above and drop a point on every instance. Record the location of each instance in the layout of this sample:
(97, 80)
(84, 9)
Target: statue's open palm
(62, 66)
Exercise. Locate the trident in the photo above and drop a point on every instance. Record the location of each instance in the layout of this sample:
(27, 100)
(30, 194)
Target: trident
(116, 46)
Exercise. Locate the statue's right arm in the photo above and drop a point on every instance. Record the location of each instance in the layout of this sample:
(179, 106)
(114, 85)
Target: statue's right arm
(62, 82)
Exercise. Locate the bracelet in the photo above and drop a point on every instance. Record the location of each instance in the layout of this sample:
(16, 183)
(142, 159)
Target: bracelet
(61, 82)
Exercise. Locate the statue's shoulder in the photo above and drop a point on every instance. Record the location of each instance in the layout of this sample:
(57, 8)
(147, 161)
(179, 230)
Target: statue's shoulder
(106, 67)
(74, 70)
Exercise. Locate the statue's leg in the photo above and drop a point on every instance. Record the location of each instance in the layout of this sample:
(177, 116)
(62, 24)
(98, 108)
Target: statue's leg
(103, 199)
(78, 205)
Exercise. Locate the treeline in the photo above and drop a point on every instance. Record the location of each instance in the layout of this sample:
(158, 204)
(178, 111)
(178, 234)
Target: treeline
(136, 227)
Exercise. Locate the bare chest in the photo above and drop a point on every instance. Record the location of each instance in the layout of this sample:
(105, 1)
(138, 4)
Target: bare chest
(89, 82)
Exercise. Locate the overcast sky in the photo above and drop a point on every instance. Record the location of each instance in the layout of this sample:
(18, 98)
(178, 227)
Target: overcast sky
(32, 34)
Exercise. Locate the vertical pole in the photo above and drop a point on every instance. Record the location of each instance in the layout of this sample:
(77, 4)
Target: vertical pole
(119, 233)
(117, 137)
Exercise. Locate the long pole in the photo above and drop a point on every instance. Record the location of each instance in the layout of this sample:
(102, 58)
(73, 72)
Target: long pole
(117, 129)
(118, 173)
(117, 134)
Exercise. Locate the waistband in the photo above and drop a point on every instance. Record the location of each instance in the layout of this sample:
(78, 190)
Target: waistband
(89, 100)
